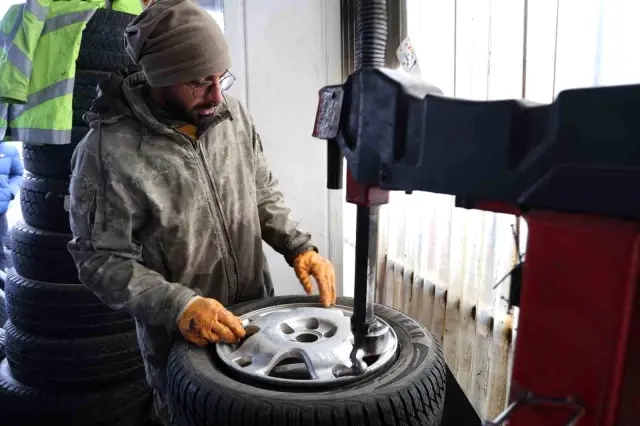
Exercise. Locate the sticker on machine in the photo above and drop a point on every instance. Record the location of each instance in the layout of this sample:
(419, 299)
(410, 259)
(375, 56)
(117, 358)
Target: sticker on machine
(408, 57)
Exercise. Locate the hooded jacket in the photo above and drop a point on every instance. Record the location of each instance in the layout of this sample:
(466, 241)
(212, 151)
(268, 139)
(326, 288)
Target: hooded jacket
(158, 217)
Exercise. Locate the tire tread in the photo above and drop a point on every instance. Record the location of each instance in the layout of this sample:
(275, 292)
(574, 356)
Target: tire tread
(42, 255)
(87, 363)
(24, 405)
(418, 402)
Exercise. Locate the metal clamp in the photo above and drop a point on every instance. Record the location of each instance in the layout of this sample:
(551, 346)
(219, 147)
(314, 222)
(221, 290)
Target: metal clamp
(529, 399)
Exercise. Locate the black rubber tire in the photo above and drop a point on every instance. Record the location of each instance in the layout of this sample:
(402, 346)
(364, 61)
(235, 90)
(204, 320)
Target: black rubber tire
(77, 134)
(61, 310)
(2, 337)
(23, 405)
(42, 255)
(42, 201)
(102, 45)
(409, 393)
(52, 161)
(89, 363)
(3, 308)
(84, 93)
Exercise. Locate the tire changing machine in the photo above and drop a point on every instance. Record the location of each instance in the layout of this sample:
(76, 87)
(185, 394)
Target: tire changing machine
(571, 168)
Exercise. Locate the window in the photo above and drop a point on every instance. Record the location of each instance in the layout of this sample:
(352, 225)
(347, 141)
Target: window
(215, 8)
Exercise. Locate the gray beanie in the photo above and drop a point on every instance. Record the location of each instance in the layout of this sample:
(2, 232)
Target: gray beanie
(176, 41)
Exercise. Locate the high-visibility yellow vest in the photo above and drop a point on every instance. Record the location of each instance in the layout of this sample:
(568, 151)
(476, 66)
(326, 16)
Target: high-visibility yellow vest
(40, 42)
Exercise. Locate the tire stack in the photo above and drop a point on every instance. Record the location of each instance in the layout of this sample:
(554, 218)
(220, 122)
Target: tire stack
(69, 358)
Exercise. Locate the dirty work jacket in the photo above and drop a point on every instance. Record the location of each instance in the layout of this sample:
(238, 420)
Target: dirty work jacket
(158, 218)
(40, 41)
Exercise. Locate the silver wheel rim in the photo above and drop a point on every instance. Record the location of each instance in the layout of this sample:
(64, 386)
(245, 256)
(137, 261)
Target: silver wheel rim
(302, 345)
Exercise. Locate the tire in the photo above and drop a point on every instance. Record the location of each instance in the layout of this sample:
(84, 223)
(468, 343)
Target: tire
(42, 201)
(42, 255)
(80, 364)
(22, 405)
(2, 337)
(60, 310)
(102, 45)
(53, 161)
(3, 309)
(77, 134)
(84, 93)
(409, 393)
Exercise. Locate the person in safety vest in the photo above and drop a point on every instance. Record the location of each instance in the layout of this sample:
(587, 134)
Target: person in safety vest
(171, 195)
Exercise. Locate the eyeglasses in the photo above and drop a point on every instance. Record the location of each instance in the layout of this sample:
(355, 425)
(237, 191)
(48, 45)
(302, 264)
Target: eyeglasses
(225, 82)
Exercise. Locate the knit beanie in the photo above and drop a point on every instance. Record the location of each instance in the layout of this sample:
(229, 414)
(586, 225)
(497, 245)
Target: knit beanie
(176, 41)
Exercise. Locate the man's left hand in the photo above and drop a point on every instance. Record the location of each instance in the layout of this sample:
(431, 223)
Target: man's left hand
(309, 264)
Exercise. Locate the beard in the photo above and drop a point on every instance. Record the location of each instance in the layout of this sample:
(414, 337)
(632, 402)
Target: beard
(190, 115)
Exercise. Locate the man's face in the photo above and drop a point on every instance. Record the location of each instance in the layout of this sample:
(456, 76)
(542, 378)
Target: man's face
(196, 101)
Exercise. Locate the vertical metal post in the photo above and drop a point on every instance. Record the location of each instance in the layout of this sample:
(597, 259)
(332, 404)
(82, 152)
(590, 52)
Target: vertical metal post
(371, 42)
(366, 267)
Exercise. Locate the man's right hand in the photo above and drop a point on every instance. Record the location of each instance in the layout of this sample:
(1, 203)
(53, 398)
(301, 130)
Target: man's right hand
(206, 321)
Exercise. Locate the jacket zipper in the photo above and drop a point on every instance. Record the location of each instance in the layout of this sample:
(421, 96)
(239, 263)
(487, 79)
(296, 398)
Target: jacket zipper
(231, 269)
(225, 229)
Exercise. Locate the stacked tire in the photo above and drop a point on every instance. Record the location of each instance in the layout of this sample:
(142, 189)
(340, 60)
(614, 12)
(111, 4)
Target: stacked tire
(69, 359)
(3, 310)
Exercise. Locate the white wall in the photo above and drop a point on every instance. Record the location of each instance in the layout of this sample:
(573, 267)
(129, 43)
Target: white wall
(283, 52)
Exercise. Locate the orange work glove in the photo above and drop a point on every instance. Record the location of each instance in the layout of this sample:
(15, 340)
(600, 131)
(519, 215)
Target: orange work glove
(205, 321)
(309, 264)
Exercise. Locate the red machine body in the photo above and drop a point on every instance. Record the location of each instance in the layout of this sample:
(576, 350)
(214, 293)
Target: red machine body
(364, 195)
(579, 324)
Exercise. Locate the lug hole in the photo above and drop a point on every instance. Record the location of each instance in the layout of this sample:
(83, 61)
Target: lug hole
(306, 337)
(286, 328)
(245, 361)
(312, 324)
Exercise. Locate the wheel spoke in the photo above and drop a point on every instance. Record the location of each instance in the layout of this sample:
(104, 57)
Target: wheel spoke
(262, 364)
(320, 366)
(255, 355)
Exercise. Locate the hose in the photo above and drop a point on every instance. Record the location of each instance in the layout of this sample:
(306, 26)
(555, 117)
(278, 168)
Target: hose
(371, 34)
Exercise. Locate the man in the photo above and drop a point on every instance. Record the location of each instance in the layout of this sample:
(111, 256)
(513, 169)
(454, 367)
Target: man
(171, 195)
(11, 171)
